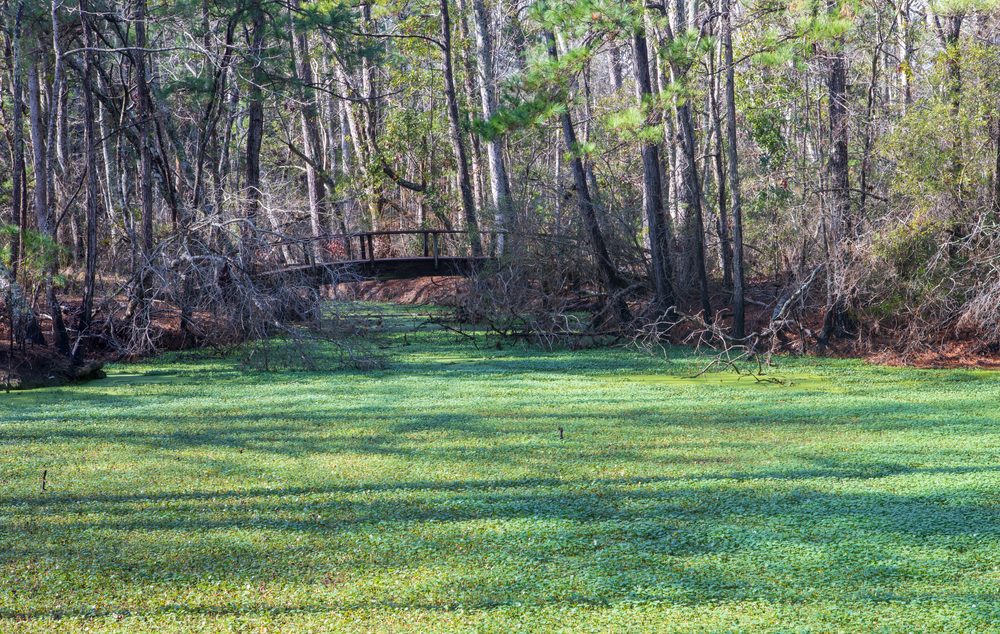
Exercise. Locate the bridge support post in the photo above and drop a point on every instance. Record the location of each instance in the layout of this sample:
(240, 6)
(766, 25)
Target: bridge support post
(435, 236)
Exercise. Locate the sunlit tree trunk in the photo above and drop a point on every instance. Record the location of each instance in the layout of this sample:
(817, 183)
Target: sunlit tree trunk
(499, 184)
(311, 140)
(659, 238)
(736, 208)
(458, 144)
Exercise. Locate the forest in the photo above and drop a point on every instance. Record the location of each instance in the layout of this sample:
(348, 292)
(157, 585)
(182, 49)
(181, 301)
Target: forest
(618, 415)
(834, 165)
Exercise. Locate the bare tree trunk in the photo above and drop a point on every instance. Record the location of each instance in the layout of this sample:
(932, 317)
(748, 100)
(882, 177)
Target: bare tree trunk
(499, 184)
(470, 78)
(739, 310)
(609, 275)
(722, 228)
(24, 326)
(18, 167)
(904, 50)
(255, 134)
(839, 201)
(615, 68)
(145, 133)
(345, 166)
(46, 226)
(113, 203)
(692, 231)
(90, 143)
(949, 30)
(869, 128)
(141, 290)
(312, 142)
(659, 238)
(465, 183)
(56, 116)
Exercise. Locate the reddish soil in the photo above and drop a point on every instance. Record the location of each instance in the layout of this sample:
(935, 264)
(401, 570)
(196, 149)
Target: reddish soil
(441, 291)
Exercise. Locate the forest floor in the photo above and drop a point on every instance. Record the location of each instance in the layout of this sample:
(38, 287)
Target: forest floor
(39, 366)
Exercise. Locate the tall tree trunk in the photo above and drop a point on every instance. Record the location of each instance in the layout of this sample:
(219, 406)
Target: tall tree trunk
(24, 326)
(312, 142)
(141, 289)
(454, 124)
(904, 51)
(949, 30)
(839, 170)
(113, 203)
(838, 221)
(615, 68)
(682, 18)
(345, 166)
(691, 232)
(470, 78)
(143, 105)
(609, 275)
(255, 135)
(46, 225)
(17, 151)
(659, 238)
(996, 176)
(90, 144)
(722, 228)
(499, 184)
(739, 310)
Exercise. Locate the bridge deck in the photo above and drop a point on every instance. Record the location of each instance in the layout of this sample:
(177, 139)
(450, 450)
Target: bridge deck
(369, 244)
(390, 268)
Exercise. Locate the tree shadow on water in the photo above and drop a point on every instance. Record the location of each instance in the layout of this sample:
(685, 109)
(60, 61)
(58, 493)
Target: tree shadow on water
(491, 543)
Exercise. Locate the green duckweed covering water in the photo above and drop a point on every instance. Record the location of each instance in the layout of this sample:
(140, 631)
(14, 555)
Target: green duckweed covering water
(183, 495)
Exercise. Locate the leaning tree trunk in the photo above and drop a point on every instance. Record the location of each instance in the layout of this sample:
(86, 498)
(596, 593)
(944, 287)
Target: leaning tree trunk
(464, 179)
(609, 275)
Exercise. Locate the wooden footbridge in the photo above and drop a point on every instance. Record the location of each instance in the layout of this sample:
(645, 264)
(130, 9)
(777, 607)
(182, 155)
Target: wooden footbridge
(383, 255)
